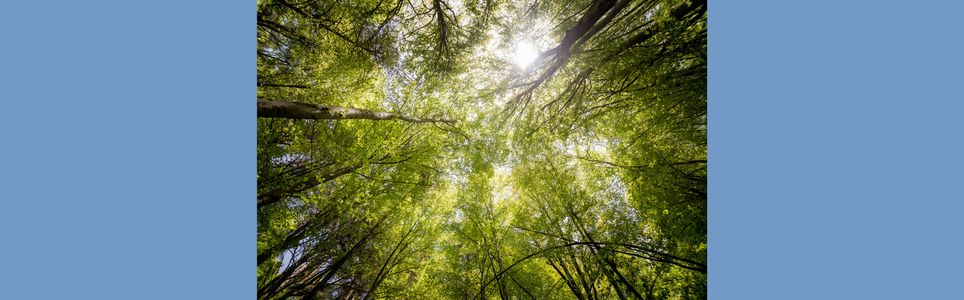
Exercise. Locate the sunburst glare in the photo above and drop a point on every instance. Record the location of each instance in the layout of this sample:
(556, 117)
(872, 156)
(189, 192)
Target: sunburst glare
(525, 53)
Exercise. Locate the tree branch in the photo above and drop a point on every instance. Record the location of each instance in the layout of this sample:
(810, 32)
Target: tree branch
(300, 110)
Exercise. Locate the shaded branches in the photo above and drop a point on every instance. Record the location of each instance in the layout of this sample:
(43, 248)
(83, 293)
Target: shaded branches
(301, 110)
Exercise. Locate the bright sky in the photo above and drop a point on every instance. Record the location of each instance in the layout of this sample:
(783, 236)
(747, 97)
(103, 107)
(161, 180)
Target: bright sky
(525, 53)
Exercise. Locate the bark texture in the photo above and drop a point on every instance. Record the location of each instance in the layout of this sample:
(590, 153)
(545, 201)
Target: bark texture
(300, 110)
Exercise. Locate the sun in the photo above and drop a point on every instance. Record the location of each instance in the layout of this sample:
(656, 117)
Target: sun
(525, 53)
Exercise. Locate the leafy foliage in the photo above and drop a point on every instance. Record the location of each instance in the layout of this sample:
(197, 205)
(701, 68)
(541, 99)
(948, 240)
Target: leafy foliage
(582, 175)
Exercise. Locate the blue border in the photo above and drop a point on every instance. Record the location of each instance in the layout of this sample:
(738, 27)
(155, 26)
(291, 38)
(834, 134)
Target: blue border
(128, 150)
(128, 140)
(835, 150)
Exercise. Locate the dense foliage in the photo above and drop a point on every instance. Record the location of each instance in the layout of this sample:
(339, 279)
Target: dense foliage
(406, 151)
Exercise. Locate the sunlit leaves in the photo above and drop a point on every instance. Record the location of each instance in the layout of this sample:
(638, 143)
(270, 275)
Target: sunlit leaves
(587, 182)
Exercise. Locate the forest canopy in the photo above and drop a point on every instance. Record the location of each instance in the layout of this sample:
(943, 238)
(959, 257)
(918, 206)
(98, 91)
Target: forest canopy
(447, 149)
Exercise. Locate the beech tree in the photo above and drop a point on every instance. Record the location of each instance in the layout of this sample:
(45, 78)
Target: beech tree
(444, 149)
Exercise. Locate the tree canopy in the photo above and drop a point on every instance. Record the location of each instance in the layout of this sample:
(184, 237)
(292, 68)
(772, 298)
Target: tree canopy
(446, 149)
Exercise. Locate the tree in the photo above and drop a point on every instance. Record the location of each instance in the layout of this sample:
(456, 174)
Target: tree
(581, 175)
(299, 110)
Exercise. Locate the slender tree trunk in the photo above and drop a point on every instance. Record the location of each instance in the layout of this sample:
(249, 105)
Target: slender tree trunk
(390, 262)
(299, 110)
(566, 277)
(338, 264)
(594, 249)
(320, 22)
(289, 240)
(297, 86)
(276, 195)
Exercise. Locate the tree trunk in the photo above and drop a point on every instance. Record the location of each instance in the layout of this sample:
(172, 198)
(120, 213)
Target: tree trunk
(276, 195)
(299, 110)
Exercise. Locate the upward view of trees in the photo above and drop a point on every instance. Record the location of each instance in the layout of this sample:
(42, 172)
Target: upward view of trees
(408, 149)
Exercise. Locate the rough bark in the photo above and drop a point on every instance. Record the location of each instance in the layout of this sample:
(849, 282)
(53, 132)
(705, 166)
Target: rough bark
(300, 110)
(297, 86)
